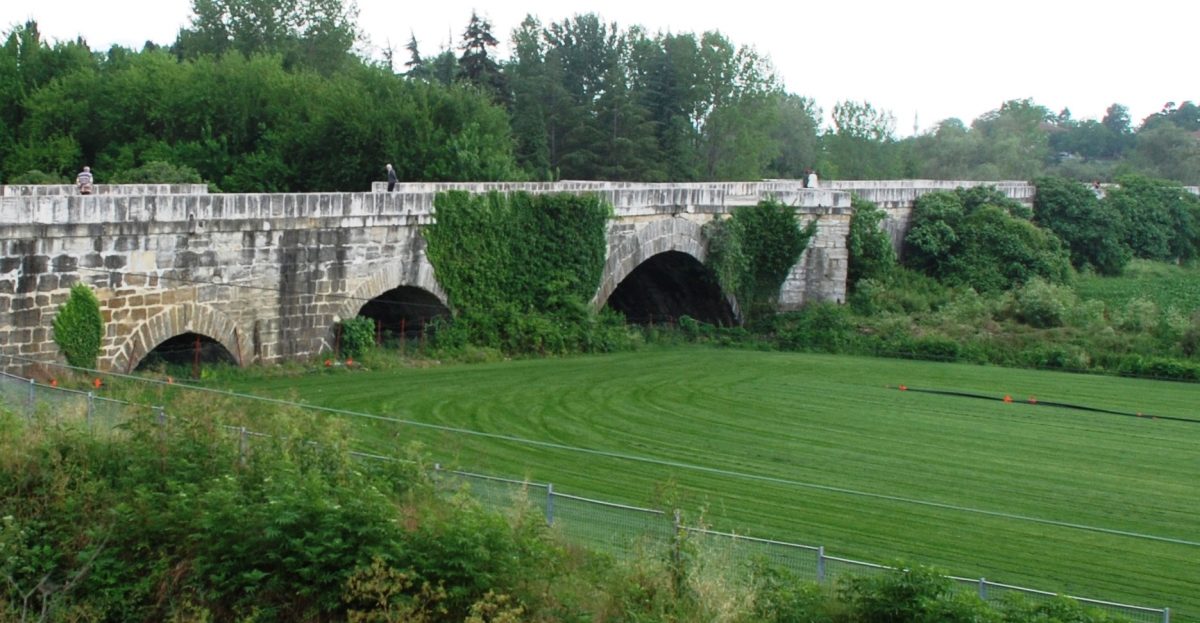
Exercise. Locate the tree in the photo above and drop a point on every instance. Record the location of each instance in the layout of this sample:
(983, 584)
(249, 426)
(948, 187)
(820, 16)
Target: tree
(975, 238)
(478, 68)
(1168, 151)
(415, 67)
(862, 145)
(950, 151)
(795, 133)
(1015, 142)
(1091, 229)
(316, 34)
(1162, 219)
(529, 85)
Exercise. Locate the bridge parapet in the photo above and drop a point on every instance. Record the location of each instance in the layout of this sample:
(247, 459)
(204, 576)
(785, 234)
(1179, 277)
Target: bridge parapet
(51, 190)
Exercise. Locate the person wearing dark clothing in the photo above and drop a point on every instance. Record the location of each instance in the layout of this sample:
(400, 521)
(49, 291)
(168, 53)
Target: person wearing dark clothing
(391, 178)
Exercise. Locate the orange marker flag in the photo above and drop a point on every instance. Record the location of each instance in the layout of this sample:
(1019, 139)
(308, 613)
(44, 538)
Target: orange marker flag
(96, 383)
(1007, 398)
(53, 382)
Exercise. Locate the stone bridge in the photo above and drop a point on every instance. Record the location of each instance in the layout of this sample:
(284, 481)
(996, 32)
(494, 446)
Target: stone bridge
(267, 277)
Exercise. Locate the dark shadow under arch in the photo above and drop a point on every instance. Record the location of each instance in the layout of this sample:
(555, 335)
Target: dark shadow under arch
(406, 309)
(186, 349)
(670, 285)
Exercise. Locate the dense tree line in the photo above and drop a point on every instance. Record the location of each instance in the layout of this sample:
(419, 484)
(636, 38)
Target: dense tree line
(272, 95)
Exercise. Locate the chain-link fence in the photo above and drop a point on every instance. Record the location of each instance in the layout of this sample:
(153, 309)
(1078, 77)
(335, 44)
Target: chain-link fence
(618, 529)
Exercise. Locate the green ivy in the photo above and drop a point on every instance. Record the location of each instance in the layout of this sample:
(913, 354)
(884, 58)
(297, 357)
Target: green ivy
(753, 251)
(519, 269)
(79, 327)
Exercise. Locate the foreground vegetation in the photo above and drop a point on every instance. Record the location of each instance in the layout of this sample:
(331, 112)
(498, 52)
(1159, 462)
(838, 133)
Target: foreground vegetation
(173, 521)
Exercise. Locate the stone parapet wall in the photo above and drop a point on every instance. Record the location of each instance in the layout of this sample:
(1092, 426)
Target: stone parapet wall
(638, 198)
(53, 190)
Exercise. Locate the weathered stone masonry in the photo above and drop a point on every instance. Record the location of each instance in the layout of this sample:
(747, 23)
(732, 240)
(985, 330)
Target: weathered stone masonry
(267, 276)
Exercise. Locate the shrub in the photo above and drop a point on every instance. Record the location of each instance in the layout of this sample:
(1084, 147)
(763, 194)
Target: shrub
(358, 336)
(35, 176)
(903, 595)
(79, 327)
(1041, 304)
(826, 327)
(979, 239)
(158, 172)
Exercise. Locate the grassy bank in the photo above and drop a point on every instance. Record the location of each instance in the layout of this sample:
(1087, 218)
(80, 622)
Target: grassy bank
(825, 450)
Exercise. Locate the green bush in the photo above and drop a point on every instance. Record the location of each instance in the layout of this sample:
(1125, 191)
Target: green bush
(35, 176)
(908, 595)
(900, 291)
(1093, 230)
(158, 172)
(1161, 219)
(358, 336)
(1041, 304)
(79, 327)
(979, 239)
(825, 327)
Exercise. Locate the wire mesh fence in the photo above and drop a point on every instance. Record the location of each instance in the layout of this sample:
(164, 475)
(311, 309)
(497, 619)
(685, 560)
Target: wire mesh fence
(617, 529)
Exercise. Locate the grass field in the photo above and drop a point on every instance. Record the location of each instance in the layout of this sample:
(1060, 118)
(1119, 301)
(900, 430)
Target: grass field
(1164, 284)
(807, 420)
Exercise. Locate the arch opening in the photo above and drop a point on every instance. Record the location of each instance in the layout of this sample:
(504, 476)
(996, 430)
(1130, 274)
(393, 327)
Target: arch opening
(187, 349)
(670, 285)
(403, 312)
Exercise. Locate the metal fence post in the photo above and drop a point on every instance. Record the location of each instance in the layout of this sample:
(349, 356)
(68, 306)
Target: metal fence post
(983, 588)
(91, 409)
(1166, 615)
(242, 446)
(32, 399)
(821, 563)
(549, 504)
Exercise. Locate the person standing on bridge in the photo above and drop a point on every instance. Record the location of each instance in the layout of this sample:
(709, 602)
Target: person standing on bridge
(391, 178)
(84, 181)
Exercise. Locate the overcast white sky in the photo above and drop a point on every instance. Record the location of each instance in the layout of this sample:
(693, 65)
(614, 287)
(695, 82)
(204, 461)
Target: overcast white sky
(922, 59)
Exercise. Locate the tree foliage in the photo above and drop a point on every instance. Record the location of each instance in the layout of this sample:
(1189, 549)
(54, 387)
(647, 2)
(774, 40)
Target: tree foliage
(1092, 229)
(1161, 219)
(313, 34)
(977, 238)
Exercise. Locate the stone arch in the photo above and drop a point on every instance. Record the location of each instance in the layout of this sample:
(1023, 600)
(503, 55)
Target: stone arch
(418, 274)
(629, 246)
(177, 320)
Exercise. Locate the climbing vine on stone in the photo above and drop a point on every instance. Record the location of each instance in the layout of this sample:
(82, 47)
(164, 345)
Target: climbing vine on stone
(752, 252)
(519, 269)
